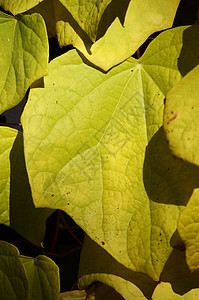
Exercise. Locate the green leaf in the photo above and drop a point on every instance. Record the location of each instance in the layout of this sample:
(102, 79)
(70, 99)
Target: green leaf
(188, 229)
(96, 265)
(23, 56)
(7, 137)
(25, 277)
(17, 208)
(87, 14)
(95, 148)
(14, 283)
(122, 31)
(17, 7)
(43, 277)
(181, 117)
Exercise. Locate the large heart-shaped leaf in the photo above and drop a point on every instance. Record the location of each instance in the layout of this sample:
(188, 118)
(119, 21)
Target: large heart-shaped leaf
(23, 56)
(16, 203)
(17, 7)
(124, 27)
(95, 147)
(181, 117)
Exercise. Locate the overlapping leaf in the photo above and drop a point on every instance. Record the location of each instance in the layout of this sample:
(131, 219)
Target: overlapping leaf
(176, 280)
(7, 137)
(96, 265)
(17, 208)
(122, 29)
(14, 283)
(87, 14)
(188, 228)
(25, 277)
(23, 56)
(51, 11)
(95, 147)
(17, 7)
(43, 277)
(164, 292)
(181, 117)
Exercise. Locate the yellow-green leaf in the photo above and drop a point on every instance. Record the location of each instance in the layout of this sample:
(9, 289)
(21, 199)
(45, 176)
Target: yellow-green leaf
(125, 27)
(189, 230)
(95, 148)
(23, 56)
(181, 117)
(7, 138)
(164, 291)
(16, 6)
(87, 14)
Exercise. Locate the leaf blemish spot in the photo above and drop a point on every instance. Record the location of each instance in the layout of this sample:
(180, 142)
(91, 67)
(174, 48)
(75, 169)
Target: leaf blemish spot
(103, 243)
(53, 195)
(172, 119)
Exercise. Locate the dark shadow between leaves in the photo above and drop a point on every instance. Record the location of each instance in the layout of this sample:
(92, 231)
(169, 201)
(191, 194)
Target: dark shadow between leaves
(24, 217)
(94, 259)
(167, 179)
(116, 9)
(189, 56)
(177, 273)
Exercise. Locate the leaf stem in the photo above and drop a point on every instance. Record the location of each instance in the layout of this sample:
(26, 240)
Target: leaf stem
(71, 232)
(56, 231)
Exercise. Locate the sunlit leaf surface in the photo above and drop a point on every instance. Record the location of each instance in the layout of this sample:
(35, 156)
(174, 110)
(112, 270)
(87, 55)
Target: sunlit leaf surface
(181, 117)
(23, 56)
(95, 148)
(122, 29)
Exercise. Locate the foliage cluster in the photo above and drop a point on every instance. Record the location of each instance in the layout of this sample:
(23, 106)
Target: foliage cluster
(108, 137)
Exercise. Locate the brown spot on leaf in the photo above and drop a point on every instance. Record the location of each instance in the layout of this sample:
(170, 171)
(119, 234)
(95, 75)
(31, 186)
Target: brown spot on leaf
(172, 119)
